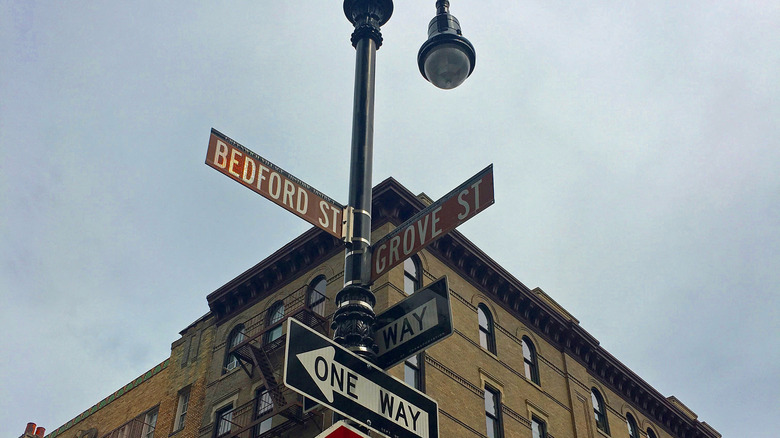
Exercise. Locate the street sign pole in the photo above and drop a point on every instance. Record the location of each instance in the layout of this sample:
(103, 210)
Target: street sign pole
(354, 317)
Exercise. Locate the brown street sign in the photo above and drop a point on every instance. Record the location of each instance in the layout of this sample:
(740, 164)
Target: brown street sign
(436, 220)
(267, 179)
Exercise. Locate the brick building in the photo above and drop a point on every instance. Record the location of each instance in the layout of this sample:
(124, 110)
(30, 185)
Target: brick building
(517, 366)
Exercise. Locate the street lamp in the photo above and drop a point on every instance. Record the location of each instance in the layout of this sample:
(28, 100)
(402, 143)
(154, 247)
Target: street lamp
(445, 60)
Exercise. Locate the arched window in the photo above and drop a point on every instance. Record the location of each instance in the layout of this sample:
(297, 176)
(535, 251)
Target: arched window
(275, 314)
(235, 337)
(599, 410)
(315, 297)
(529, 361)
(650, 433)
(487, 337)
(411, 274)
(633, 432)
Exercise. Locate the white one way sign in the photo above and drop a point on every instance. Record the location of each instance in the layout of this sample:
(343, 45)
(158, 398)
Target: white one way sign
(320, 369)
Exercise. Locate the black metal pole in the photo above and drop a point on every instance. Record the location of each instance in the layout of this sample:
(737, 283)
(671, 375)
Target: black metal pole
(354, 317)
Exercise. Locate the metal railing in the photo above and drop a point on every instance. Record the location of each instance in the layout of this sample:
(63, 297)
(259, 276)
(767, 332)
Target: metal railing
(294, 304)
(246, 420)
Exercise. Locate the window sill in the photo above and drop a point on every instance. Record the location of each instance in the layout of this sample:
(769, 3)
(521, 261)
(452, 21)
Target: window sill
(229, 373)
(488, 352)
(176, 431)
(602, 433)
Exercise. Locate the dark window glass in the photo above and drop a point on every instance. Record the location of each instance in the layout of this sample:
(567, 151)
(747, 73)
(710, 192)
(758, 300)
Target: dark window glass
(236, 337)
(224, 420)
(411, 275)
(413, 372)
(538, 428)
(493, 412)
(316, 296)
(650, 433)
(275, 314)
(599, 410)
(487, 338)
(529, 361)
(633, 432)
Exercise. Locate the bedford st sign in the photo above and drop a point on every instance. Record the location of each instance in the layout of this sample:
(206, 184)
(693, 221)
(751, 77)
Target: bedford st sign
(263, 177)
(416, 323)
(454, 208)
(318, 368)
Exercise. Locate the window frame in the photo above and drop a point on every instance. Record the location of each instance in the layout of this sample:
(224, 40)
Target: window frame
(150, 423)
(414, 278)
(488, 331)
(271, 320)
(314, 302)
(218, 417)
(235, 337)
(542, 427)
(498, 426)
(599, 410)
(633, 430)
(262, 393)
(418, 369)
(530, 362)
(182, 407)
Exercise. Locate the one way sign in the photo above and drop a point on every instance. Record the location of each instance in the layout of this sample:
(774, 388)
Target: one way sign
(320, 369)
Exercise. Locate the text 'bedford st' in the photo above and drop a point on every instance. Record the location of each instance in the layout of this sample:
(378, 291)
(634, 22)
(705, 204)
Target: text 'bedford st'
(263, 177)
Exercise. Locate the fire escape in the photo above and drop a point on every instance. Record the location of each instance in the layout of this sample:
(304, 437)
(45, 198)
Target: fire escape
(262, 353)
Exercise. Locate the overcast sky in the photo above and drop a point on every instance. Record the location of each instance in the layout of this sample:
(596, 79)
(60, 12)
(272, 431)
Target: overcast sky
(635, 145)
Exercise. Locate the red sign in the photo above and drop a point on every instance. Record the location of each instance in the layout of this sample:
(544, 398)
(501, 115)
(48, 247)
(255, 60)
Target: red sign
(434, 221)
(265, 178)
(342, 430)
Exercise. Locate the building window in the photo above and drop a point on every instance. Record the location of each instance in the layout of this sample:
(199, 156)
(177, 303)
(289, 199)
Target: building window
(224, 420)
(275, 315)
(633, 432)
(487, 337)
(413, 372)
(650, 433)
(236, 337)
(265, 405)
(493, 412)
(150, 422)
(181, 409)
(411, 274)
(599, 410)
(538, 428)
(315, 297)
(529, 361)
